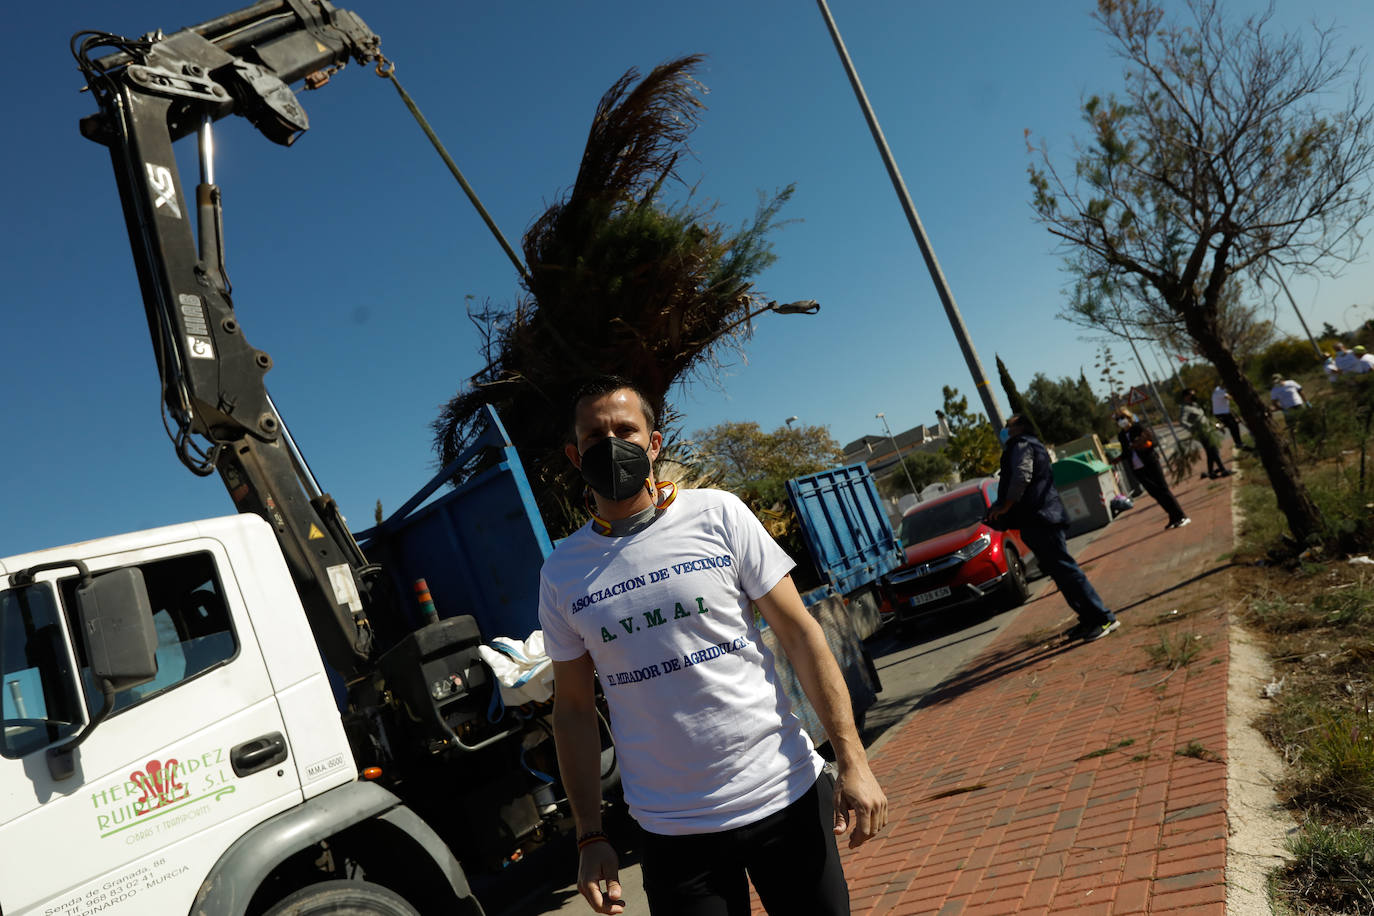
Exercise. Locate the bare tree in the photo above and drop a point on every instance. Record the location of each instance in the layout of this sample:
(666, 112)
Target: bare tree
(1220, 158)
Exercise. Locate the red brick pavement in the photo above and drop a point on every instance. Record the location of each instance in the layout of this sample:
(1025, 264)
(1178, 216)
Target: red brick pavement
(1046, 778)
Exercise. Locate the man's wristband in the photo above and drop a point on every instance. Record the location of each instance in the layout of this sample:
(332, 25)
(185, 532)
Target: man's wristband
(590, 837)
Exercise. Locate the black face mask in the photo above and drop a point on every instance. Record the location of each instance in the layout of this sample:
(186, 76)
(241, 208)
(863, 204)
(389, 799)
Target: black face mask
(616, 468)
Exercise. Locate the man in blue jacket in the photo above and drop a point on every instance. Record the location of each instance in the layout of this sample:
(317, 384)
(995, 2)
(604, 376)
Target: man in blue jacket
(1028, 501)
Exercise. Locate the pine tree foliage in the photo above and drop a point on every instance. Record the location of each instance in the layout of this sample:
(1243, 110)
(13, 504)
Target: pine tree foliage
(621, 280)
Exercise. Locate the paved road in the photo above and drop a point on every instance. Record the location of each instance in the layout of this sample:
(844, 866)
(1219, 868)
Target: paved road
(909, 668)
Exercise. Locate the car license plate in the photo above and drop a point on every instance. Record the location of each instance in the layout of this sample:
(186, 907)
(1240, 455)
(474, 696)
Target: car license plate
(927, 597)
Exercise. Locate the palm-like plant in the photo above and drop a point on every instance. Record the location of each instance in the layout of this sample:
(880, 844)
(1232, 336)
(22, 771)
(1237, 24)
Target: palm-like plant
(618, 282)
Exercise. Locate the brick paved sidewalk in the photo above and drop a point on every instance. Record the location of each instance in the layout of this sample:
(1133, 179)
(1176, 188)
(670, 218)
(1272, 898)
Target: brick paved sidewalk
(1045, 778)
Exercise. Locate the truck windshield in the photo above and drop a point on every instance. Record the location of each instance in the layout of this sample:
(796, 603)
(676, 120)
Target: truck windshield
(942, 518)
(38, 696)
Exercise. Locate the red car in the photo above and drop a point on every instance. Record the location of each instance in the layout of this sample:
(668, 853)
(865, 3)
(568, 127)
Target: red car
(955, 560)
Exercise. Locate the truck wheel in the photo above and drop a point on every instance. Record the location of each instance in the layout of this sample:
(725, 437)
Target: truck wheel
(344, 898)
(1016, 590)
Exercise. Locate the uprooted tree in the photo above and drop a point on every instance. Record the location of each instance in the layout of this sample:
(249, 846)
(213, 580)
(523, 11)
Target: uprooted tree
(619, 281)
(1221, 159)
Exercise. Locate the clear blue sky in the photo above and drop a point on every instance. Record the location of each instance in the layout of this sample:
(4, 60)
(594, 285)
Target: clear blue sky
(352, 252)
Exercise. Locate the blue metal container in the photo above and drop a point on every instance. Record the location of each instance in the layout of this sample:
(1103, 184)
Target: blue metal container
(479, 546)
(846, 530)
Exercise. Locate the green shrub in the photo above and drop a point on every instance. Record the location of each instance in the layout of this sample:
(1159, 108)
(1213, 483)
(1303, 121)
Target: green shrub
(1288, 357)
(1336, 769)
(1332, 868)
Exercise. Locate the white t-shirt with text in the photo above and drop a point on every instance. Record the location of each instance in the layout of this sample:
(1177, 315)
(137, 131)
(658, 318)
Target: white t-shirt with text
(704, 733)
(1287, 394)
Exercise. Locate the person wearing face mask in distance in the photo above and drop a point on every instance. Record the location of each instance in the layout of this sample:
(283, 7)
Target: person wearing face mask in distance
(1145, 462)
(654, 597)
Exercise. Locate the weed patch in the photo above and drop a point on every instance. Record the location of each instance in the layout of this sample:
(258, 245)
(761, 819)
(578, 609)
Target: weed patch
(1336, 768)
(1198, 751)
(1109, 749)
(1332, 867)
(1036, 638)
(1174, 650)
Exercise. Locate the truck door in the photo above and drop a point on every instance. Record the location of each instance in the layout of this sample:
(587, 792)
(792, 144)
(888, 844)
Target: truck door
(162, 786)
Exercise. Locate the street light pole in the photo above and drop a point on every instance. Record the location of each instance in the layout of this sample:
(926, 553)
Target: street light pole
(789, 421)
(1301, 320)
(956, 320)
(898, 452)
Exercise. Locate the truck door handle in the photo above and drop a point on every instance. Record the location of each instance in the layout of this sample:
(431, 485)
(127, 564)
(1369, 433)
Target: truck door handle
(261, 752)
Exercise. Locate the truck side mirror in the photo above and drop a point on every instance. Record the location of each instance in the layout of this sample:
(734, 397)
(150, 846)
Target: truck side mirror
(121, 647)
(117, 623)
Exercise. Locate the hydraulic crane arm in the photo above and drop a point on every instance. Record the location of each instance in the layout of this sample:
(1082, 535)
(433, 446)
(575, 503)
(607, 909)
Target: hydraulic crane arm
(151, 92)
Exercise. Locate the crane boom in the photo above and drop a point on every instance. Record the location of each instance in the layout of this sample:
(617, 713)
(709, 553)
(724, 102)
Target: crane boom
(151, 92)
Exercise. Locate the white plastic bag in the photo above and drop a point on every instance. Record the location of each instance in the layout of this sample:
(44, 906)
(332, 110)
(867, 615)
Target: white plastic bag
(524, 671)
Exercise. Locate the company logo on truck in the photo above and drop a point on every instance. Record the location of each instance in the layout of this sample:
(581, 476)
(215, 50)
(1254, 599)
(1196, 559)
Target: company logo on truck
(159, 784)
(164, 187)
(160, 788)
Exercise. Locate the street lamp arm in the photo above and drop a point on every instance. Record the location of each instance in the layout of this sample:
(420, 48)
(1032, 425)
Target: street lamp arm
(800, 307)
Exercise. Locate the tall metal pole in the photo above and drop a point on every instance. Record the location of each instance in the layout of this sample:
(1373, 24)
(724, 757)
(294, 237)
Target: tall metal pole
(956, 321)
(1149, 381)
(1316, 348)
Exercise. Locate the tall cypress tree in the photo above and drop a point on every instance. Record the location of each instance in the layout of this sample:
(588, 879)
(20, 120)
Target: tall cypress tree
(1014, 399)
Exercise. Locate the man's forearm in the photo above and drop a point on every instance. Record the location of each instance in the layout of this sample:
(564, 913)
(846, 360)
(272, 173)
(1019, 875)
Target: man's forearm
(822, 682)
(578, 741)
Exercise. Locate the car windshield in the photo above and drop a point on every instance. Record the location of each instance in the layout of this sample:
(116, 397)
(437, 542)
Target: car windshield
(942, 518)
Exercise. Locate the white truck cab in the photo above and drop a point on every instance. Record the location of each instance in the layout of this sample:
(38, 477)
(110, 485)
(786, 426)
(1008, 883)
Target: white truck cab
(206, 786)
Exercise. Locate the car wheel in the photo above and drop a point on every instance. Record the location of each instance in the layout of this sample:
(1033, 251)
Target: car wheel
(1015, 591)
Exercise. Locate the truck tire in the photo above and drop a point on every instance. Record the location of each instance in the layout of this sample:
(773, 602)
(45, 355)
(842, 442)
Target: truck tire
(1016, 590)
(344, 898)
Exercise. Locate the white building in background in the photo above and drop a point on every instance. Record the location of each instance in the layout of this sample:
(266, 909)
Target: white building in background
(877, 452)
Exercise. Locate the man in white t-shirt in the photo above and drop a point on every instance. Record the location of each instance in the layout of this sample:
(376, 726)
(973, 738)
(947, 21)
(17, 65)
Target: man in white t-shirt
(654, 599)
(1362, 362)
(1285, 394)
(1221, 409)
(1345, 360)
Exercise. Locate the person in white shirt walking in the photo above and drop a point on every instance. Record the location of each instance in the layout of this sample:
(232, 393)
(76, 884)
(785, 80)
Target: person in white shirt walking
(1286, 394)
(1221, 409)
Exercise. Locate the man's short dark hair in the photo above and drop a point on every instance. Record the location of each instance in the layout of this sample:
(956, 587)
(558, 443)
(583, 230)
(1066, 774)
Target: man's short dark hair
(601, 386)
(1016, 420)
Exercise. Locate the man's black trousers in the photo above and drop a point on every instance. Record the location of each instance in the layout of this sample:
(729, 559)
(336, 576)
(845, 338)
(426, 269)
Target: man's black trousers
(790, 856)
